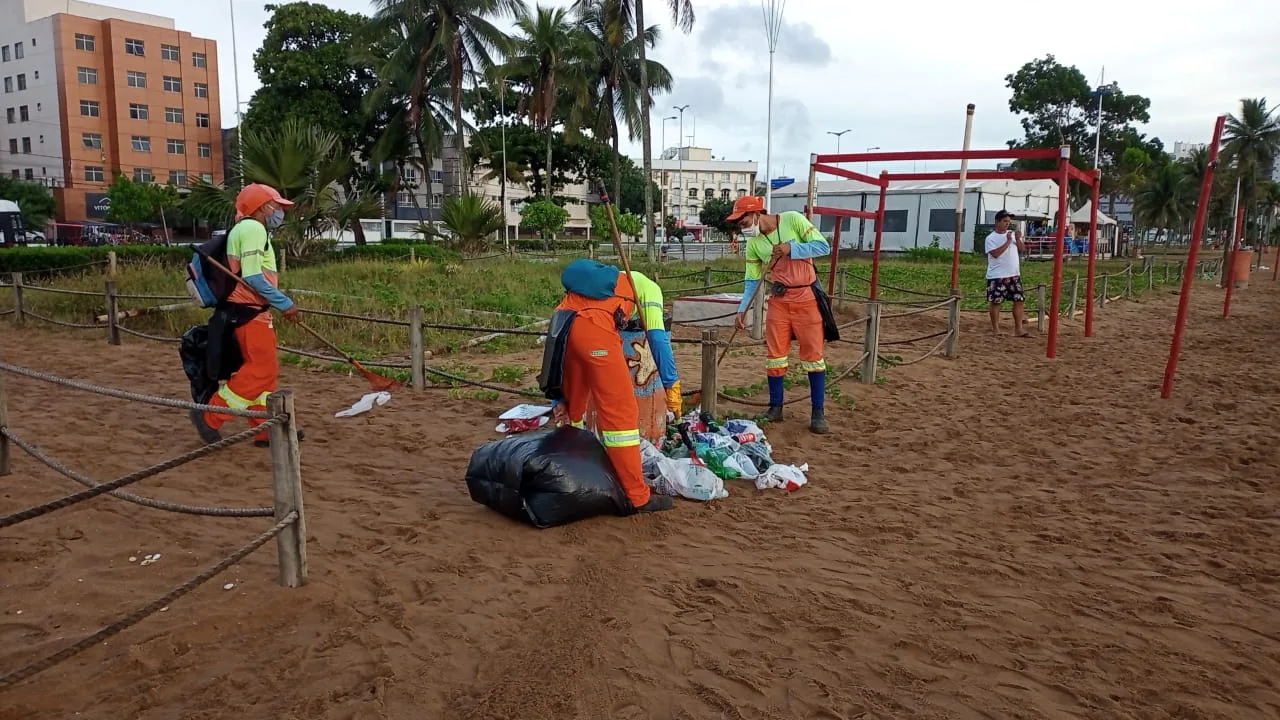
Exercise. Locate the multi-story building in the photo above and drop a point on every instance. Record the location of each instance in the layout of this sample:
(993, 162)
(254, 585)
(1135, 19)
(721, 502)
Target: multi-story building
(91, 91)
(689, 176)
(1183, 150)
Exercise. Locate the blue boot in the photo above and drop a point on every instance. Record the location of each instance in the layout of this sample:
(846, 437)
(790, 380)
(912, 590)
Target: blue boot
(818, 396)
(776, 390)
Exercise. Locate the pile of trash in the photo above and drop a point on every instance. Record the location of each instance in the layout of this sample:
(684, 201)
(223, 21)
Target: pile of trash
(733, 450)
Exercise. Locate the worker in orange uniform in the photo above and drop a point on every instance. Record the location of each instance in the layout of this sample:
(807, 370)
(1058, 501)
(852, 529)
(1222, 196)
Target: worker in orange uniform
(599, 300)
(787, 243)
(259, 210)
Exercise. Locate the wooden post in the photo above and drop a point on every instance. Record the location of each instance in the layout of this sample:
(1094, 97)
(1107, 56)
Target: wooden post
(1128, 281)
(1102, 302)
(1075, 295)
(286, 484)
(629, 245)
(415, 348)
(1041, 310)
(757, 313)
(113, 314)
(710, 383)
(1151, 276)
(4, 423)
(706, 277)
(842, 287)
(283, 254)
(111, 265)
(19, 318)
(953, 327)
(413, 255)
(1166, 272)
(871, 344)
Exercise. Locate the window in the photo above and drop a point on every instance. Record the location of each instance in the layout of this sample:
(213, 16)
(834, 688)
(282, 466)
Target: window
(17, 53)
(134, 47)
(86, 42)
(87, 76)
(22, 82)
(199, 60)
(29, 174)
(170, 53)
(137, 79)
(177, 147)
(26, 146)
(141, 144)
(13, 146)
(4, 53)
(693, 192)
(178, 177)
(143, 175)
(411, 176)
(724, 177)
(173, 115)
(139, 112)
(8, 84)
(742, 192)
(202, 120)
(172, 84)
(207, 177)
(724, 194)
(942, 220)
(93, 141)
(9, 114)
(89, 108)
(94, 174)
(437, 176)
(827, 224)
(204, 150)
(23, 115)
(15, 174)
(202, 90)
(895, 221)
(437, 200)
(402, 199)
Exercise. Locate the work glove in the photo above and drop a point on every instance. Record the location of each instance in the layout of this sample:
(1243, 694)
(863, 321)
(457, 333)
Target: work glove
(675, 403)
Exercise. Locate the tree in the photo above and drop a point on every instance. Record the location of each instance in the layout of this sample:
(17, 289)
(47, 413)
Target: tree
(713, 214)
(1167, 201)
(471, 219)
(1251, 142)
(34, 200)
(631, 199)
(131, 202)
(544, 216)
(1057, 107)
(629, 225)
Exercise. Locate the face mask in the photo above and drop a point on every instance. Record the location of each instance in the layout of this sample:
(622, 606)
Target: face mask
(274, 220)
(752, 231)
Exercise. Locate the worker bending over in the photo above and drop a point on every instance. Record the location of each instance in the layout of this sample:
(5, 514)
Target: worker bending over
(786, 243)
(259, 209)
(598, 303)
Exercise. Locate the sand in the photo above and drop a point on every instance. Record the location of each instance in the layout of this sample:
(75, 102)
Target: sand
(997, 536)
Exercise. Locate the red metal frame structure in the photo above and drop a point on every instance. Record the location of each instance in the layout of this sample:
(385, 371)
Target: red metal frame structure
(1189, 271)
(1063, 174)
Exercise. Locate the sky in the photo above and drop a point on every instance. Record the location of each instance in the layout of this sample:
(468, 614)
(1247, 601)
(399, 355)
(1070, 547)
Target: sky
(897, 75)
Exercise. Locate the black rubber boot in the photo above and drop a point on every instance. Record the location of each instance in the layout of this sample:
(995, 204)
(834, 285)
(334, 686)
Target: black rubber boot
(267, 443)
(207, 434)
(657, 503)
(818, 422)
(774, 413)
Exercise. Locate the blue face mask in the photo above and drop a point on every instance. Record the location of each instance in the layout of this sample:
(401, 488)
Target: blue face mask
(274, 220)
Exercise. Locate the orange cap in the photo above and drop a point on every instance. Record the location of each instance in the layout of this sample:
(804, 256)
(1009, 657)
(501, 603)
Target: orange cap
(746, 204)
(254, 196)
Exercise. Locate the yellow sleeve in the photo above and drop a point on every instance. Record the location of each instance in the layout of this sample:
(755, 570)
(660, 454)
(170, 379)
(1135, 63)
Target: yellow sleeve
(650, 299)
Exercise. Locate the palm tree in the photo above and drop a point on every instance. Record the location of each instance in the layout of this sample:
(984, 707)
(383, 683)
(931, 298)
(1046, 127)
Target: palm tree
(615, 69)
(1167, 201)
(457, 31)
(549, 53)
(1252, 142)
(471, 219)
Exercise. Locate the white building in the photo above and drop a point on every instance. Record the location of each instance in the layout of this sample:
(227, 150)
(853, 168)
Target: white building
(688, 176)
(1183, 150)
(918, 212)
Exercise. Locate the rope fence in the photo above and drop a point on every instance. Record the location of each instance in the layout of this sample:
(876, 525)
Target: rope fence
(280, 424)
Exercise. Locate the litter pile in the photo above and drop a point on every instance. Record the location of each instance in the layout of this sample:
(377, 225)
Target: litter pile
(734, 450)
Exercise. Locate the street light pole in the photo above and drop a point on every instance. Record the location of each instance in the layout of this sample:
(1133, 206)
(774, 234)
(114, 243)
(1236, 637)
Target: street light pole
(867, 169)
(680, 156)
(502, 109)
(837, 134)
(773, 10)
(1097, 141)
(661, 203)
(235, 68)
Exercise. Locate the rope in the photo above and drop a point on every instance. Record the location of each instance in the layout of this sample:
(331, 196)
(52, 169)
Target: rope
(7, 312)
(683, 291)
(364, 318)
(96, 490)
(59, 291)
(476, 383)
(121, 296)
(51, 321)
(914, 340)
(756, 403)
(474, 329)
(126, 395)
(151, 608)
(920, 311)
(922, 358)
(144, 336)
(331, 358)
(58, 467)
(485, 257)
(65, 267)
(886, 286)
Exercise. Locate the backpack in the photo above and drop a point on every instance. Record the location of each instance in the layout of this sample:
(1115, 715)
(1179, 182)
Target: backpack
(206, 284)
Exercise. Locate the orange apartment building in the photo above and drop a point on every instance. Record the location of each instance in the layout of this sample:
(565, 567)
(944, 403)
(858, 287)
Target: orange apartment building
(91, 91)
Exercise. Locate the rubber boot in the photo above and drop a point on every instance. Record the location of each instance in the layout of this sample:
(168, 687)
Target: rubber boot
(207, 433)
(776, 393)
(818, 395)
(657, 503)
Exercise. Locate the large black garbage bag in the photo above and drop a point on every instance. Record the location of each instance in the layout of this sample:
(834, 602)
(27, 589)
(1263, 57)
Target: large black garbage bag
(547, 478)
(210, 354)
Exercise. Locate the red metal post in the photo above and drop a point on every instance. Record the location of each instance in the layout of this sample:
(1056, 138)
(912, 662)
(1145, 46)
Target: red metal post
(1189, 271)
(1096, 180)
(1064, 177)
(846, 174)
(875, 257)
(1229, 274)
(835, 258)
(976, 175)
(1004, 154)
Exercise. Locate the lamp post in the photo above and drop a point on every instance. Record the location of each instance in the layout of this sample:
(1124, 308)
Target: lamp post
(772, 30)
(837, 134)
(867, 169)
(680, 154)
(235, 68)
(662, 204)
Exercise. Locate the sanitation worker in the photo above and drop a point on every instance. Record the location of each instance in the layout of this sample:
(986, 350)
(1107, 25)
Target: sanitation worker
(602, 299)
(259, 210)
(787, 243)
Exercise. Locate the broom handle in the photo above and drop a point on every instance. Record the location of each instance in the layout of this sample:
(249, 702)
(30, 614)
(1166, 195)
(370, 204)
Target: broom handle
(626, 264)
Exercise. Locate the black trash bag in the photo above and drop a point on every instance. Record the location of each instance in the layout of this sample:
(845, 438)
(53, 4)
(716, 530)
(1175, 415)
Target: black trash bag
(547, 478)
(210, 355)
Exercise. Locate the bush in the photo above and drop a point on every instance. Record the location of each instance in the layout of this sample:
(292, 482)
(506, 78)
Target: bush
(53, 259)
(421, 251)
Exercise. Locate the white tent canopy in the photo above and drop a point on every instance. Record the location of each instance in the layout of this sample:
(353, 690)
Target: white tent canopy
(8, 206)
(1081, 216)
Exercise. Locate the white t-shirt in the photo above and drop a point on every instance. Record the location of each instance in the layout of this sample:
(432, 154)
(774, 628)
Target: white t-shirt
(1005, 266)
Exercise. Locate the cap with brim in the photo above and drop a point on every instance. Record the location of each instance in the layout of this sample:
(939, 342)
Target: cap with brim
(744, 205)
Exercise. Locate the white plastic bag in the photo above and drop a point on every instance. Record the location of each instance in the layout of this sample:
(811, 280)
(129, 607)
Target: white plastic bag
(744, 465)
(694, 482)
(787, 477)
